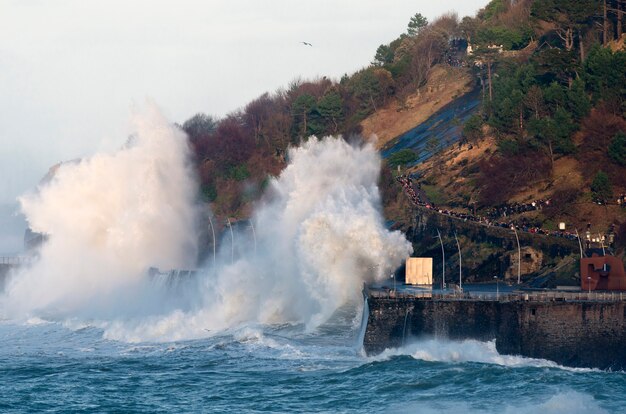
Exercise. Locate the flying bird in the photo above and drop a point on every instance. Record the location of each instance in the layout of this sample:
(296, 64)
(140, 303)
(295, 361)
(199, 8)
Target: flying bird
(307, 44)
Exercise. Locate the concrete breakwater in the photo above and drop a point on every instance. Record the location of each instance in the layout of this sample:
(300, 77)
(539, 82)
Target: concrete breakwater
(572, 330)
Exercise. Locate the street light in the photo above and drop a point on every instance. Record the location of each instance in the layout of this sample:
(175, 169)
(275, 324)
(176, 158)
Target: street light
(601, 240)
(579, 244)
(443, 262)
(232, 241)
(393, 276)
(460, 269)
(213, 233)
(519, 257)
(589, 284)
(253, 235)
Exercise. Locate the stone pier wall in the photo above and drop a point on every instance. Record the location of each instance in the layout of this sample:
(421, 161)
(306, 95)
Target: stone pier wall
(579, 334)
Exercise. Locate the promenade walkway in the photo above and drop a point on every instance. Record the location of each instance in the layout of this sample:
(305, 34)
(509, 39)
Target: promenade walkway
(548, 296)
(418, 200)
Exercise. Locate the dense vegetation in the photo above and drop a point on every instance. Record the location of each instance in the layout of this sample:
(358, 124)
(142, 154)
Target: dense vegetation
(551, 88)
(563, 92)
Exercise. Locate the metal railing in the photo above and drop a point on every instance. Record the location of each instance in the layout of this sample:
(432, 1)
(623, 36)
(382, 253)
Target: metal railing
(16, 260)
(504, 297)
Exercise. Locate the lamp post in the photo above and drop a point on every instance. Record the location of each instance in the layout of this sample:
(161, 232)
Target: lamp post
(232, 241)
(443, 262)
(460, 261)
(253, 235)
(213, 233)
(393, 276)
(519, 257)
(589, 284)
(579, 244)
(601, 240)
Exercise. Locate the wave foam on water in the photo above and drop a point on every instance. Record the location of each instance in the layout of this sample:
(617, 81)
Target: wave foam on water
(442, 350)
(567, 401)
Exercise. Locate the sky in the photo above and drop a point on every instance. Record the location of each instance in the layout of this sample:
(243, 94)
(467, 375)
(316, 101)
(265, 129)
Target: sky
(71, 71)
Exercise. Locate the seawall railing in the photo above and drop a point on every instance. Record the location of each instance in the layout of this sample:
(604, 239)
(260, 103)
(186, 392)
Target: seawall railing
(16, 260)
(504, 297)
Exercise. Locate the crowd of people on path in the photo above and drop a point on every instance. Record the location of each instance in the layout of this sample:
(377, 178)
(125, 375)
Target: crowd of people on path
(621, 200)
(517, 208)
(418, 198)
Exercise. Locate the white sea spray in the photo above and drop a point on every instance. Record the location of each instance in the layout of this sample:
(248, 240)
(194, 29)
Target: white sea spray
(318, 236)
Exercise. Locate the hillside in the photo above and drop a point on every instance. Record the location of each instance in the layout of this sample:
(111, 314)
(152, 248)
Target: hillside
(408, 80)
(444, 84)
(551, 128)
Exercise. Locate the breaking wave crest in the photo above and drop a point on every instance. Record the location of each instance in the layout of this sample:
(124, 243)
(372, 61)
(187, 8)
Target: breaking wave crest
(469, 350)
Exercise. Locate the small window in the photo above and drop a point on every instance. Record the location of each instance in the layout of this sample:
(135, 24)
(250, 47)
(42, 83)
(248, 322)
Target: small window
(532, 311)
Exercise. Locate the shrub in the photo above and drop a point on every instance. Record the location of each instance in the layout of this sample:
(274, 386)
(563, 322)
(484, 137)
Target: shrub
(601, 187)
(561, 202)
(472, 130)
(501, 177)
(617, 148)
(238, 173)
(402, 157)
(209, 192)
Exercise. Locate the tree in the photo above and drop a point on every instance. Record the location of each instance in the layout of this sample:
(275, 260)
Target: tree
(601, 187)
(384, 55)
(578, 102)
(556, 65)
(371, 87)
(402, 157)
(599, 129)
(230, 146)
(565, 127)
(554, 134)
(301, 109)
(428, 49)
(473, 129)
(554, 96)
(534, 100)
(617, 148)
(468, 27)
(605, 76)
(416, 24)
(509, 38)
(256, 114)
(486, 56)
(571, 19)
(330, 107)
(200, 125)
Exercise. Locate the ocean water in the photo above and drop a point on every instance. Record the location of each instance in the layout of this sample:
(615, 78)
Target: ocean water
(65, 366)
